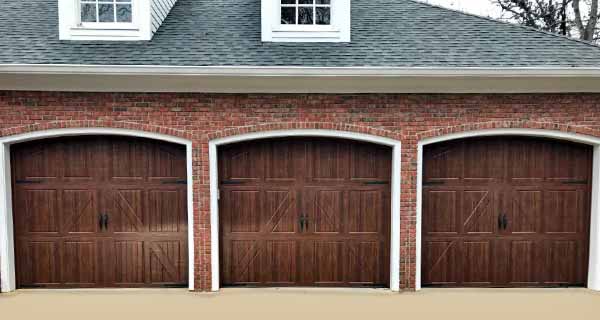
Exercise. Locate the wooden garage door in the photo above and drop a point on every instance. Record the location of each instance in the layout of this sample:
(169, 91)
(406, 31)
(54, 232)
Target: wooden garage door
(506, 212)
(305, 212)
(99, 212)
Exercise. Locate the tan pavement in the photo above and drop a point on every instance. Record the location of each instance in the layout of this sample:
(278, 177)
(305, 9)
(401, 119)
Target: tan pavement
(306, 304)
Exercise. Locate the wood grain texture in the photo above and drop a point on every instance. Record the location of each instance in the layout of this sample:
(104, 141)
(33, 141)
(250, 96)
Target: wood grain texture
(62, 189)
(305, 212)
(506, 212)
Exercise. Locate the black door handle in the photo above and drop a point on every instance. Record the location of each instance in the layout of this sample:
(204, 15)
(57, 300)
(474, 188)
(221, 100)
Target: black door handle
(505, 221)
(500, 222)
(105, 221)
(301, 223)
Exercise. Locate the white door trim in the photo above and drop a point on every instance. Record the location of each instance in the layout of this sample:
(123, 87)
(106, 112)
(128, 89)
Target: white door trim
(395, 205)
(7, 261)
(594, 261)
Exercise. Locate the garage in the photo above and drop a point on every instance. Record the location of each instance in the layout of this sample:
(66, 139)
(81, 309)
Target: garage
(304, 212)
(506, 212)
(98, 211)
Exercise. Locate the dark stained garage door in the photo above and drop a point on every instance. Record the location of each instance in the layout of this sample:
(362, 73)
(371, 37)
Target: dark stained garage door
(99, 212)
(305, 212)
(506, 212)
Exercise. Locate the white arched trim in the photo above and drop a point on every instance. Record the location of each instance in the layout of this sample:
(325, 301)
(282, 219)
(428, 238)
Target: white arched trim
(7, 258)
(594, 259)
(395, 205)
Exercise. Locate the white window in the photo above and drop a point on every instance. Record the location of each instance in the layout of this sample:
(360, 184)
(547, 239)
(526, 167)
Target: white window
(106, 11)
(111, 20)
(306, 20)
(306, 12)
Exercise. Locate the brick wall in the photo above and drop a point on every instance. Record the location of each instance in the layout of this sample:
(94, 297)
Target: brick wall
(201, 117)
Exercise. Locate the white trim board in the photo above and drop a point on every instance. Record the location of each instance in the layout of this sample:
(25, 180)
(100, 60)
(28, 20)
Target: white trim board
(291, 79)
(594, 249)
(7, 261)
(395, 189)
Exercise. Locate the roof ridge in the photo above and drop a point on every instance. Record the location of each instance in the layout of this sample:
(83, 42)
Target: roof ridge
(474, 15)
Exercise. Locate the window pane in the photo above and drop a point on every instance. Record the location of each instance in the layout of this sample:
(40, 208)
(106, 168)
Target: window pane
(323, 15)
(305, 15)
(123, 13)
(323, 1)
(288, 15)
(288, 1)
(306, 1)
(106, 13)
(88, 12)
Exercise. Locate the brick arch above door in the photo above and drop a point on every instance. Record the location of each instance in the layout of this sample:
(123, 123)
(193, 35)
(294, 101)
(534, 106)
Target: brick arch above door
(86, 124)
(282, 126)
(509, 124)
(577, 134)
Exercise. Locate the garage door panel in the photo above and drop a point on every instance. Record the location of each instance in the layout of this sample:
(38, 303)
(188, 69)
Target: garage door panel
(562, 210)
(364, 258)
(526, 211)
(477, 257)
(440, 262)
(282, 159)
(281, 264)
(281, 211)
(79, 154)
(245, 163)
(39, 264)
(530, 156)
(479, 212)
(364, 211)
(482, 162)
(40, 214)
(127, 211)
(244, 213)
(568, 162)
(560, 254)
(246, 265)
(327, 208)
(127, 160)
(80, 212)
(167, 262)
(80, 263)
(165, 162)
(165, 211)
(440, 212)
(129, 262)
(329, 262)
(524, 262)
(328, 161)
(444, 162)
(36, 162)
(365, 163)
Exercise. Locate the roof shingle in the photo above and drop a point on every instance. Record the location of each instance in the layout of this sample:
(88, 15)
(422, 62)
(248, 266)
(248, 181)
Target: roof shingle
(385, 33)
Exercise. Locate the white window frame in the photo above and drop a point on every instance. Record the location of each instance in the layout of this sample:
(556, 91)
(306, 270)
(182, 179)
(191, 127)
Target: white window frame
(72, 28)
(107, 25)
(337, 31)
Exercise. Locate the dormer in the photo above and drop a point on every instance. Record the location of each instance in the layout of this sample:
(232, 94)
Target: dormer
(306, 20)
(111, 20)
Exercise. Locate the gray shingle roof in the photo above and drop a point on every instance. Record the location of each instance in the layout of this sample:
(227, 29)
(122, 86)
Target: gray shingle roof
(389, 33)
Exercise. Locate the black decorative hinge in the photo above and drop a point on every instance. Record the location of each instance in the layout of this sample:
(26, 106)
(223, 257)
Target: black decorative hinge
(376, 182)
(179, 181)
(28, 181)
(575, 182)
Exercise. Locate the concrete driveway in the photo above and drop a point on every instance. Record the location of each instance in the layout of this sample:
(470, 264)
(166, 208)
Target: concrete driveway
(306, 304)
